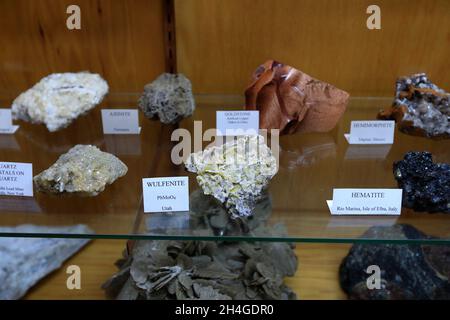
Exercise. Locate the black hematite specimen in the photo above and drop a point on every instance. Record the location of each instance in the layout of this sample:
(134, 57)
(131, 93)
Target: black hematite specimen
(426, 185)
(408, 271)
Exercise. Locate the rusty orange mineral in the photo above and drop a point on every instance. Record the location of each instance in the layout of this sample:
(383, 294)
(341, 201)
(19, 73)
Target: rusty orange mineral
(292, 101)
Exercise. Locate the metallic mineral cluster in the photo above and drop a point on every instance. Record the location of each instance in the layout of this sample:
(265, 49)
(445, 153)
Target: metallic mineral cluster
(25, 261)
(83, 170)
(426, 185)
(169, 98)
(60, 98)
(235, 172)
(420, 107)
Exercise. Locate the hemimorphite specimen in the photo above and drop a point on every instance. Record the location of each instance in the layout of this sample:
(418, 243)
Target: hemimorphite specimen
(408, 271)
(235, 173)
(58, 99)
(24, 261)
(420, 107)
(426, 185)
(169, 98)
(83, 170)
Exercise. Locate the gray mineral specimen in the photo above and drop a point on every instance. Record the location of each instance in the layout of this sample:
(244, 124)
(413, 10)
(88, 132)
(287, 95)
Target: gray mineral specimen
(58, 99)
(24, 261)
(235, 173)
(169, 98)
(84, 170)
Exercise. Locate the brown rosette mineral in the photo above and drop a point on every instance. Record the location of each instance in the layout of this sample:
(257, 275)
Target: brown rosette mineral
(420, 107)
(292, 101)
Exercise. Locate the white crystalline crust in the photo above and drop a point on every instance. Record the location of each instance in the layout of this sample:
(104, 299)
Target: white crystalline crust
(235, 173)
(58, 99)
(84, 170)
(169, 98)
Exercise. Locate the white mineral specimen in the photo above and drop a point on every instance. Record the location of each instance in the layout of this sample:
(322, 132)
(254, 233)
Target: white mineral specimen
(235, 173)
(58, 99)
(24, 261)
(84, 170)
(169, 98)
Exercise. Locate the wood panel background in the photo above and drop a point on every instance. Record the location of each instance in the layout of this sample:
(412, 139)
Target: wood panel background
(120, 39)
(220, 43)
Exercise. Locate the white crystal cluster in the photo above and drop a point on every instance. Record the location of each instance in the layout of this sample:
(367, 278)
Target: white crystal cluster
(235, 173)
(84, 170)
(58, 99)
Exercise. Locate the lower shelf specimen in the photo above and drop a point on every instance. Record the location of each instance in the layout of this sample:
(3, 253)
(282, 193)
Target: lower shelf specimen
(409, 271)
(25, 261)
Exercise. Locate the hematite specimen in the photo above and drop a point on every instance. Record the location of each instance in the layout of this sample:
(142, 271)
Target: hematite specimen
(410, 271)
(83, 170)
(169, 98)
(58, 99)
(420, 107)
(292, 101)
(426, 185)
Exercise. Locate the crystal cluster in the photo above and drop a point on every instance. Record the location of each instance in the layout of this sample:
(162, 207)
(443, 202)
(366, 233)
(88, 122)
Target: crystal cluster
(58, 99)
(83, 170)
(235, 173)
(408, 271)
(420, 107)
(426, 185)
(169, 98)
(25, 261)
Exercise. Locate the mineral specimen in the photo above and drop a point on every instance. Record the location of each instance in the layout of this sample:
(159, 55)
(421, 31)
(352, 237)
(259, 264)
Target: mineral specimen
(235, 173)
(58, 99)
(24, 261)
(292, 101)
(420, 107)
(169, 98)
(408, 271)
(426, 185)
(83, 170)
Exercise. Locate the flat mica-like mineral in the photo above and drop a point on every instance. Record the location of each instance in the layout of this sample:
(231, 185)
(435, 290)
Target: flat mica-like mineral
(58, 99)
(84, 170)
(426, 185)
(169, 98)
(292, 101)
(235, 173)
(420, 107)
(407, 271)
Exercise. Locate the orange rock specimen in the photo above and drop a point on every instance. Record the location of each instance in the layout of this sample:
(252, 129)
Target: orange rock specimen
(292, 101)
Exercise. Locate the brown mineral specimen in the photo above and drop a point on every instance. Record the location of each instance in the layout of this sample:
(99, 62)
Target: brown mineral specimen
(292, 101)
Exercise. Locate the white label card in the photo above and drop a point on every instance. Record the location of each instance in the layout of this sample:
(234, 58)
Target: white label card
(236, 123)
(16, 179)
(371, 132)
(168, 194)
(6, 125)
(366, 202)
(120, 121)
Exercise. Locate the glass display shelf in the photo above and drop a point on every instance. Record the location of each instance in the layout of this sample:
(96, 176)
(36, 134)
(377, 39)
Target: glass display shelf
(294, 208)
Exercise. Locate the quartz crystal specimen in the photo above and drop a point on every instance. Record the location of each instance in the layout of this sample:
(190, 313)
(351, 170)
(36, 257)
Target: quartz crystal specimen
(408, 271)
(420, 107)
(25, 261)
(58, 99)
(426, 185)
(235, 173)
(169, 98)
(292, 101)
(83, 170)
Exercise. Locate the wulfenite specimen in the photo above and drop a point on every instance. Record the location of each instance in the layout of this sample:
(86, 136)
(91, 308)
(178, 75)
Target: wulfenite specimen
(169, 98)
(84, 170)
(426, 185)
(420, 107)
(24, 261)
(235, 173)
(58, 99)
(407, 271)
